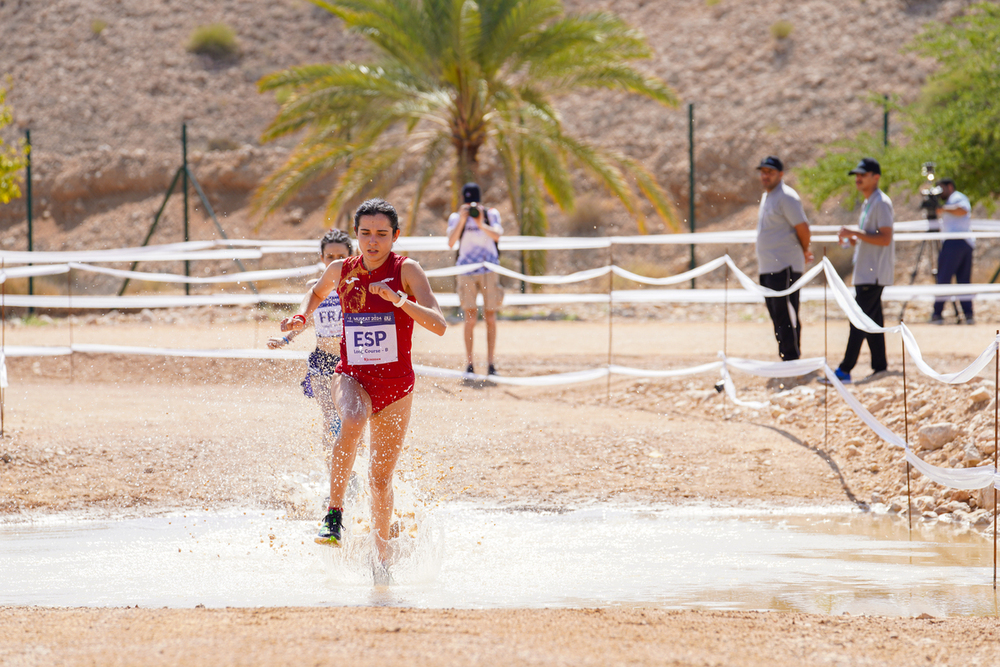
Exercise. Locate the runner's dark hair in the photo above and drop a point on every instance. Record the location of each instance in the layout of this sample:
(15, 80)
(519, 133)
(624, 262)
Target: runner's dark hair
(336, 236)
(374, 207)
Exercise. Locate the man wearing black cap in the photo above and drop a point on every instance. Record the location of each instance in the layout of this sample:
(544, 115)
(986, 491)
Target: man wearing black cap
(477, 231)
(874, 265)
(782, 253)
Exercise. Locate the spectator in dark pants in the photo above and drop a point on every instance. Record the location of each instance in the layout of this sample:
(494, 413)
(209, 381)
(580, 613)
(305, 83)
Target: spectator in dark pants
(782, 253)
(874, 266)
(955, 258)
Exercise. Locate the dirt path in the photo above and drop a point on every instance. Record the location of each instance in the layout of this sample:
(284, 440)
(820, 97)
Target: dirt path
(379, 637)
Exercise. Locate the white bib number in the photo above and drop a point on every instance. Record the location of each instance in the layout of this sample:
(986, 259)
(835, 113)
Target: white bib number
(370, 338)
(327, 320)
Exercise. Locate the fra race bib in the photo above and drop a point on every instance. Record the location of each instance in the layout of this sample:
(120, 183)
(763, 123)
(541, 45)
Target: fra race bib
(370, 338)
(327, 319)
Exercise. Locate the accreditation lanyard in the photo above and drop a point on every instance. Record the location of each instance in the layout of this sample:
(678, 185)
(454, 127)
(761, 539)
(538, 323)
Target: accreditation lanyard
(864, 213)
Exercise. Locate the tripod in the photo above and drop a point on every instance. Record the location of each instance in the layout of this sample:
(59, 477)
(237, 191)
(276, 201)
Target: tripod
(934, 250)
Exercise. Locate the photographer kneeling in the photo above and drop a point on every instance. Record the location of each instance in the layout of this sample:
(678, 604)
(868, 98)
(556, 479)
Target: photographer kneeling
(955, 259)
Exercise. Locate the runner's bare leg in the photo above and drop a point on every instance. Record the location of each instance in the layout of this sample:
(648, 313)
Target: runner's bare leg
(388, 429)
(355, 409)
(323, 388)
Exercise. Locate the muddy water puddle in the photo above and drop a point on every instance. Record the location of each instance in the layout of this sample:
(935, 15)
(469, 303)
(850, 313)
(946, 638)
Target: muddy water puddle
(820, 560)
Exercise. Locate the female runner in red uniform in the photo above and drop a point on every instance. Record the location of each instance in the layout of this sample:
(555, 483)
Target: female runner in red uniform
(382, 294)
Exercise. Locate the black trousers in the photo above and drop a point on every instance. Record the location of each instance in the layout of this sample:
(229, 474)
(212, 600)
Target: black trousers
(784, 312)
(869, 297)
(954, 261)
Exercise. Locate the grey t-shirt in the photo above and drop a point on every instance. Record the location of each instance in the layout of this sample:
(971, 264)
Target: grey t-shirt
(874, 264)
(778, 245)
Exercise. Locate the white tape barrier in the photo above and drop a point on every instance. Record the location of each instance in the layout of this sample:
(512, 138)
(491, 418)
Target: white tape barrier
(908, 231)
(56, 257)
(756, 291)
(239, 277)
(967, 478)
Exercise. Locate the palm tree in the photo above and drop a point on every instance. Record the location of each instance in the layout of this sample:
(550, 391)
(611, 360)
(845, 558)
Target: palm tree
(450, 78)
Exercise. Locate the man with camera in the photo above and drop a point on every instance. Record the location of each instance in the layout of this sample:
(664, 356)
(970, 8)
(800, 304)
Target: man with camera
(955, 258)
(874, 266)
(477, 231)
(782, 253)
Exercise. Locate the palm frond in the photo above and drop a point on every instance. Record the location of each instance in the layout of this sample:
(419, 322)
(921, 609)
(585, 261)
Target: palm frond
(647, 184)
(431, 159)
(368, 164)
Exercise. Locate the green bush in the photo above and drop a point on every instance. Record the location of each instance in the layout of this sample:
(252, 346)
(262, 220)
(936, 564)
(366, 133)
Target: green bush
(97, 26)
(222, 144)
(216, 40)
(782, 29)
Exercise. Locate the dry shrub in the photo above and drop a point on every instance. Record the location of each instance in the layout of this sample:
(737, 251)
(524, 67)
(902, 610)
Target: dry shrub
(782, 29)
(216, 40)
(222, 144)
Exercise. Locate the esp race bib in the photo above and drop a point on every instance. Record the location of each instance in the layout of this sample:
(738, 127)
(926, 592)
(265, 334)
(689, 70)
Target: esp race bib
(370, 338)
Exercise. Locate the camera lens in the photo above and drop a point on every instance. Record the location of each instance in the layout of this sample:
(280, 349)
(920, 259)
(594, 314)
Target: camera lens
(474, 210)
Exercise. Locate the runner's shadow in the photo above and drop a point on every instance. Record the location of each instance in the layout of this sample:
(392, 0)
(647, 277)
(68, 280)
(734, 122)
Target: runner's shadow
(826, 457)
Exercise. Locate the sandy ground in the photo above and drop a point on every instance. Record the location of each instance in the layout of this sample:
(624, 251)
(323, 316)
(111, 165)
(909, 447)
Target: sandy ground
(117, 434)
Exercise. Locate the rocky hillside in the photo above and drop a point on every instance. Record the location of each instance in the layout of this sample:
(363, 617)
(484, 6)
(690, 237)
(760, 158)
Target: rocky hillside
(104, 86)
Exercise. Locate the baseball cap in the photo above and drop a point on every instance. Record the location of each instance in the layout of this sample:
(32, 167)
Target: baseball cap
(771, 162)
(470, 193)
(868, 165)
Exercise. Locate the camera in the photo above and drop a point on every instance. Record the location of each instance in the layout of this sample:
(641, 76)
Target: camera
(931, 196)
(474, 209)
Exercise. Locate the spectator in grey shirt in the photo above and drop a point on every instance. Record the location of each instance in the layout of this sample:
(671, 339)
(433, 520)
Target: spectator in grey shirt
(874, 265)
(782, 253)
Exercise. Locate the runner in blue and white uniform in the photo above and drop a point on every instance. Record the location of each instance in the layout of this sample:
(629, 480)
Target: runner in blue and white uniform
(328, 321)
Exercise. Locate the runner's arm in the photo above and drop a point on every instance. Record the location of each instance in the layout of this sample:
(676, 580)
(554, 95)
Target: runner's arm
(326, 284)
(425, 311)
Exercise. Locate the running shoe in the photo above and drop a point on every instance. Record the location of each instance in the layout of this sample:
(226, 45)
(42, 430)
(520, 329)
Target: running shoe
(332, 529)
(469, 370)
(843, 376)
(492, 370)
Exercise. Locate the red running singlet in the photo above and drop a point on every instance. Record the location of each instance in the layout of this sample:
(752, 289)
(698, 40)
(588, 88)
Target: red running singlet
(368, 338)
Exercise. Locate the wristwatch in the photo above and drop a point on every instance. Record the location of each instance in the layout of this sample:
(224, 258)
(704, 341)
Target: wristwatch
(403, 296)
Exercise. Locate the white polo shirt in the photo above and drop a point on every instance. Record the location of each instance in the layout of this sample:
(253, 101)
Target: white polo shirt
(958, 223)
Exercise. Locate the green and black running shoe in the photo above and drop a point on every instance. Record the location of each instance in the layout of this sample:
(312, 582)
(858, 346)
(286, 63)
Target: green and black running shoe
(333, 527)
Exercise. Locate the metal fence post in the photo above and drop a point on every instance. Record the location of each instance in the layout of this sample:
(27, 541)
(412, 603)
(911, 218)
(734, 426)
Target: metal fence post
(184, 189)
(691, 179)
(885, 123)
(27, 192)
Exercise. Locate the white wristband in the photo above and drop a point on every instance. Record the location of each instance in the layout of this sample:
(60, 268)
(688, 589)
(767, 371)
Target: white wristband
(403, 296)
